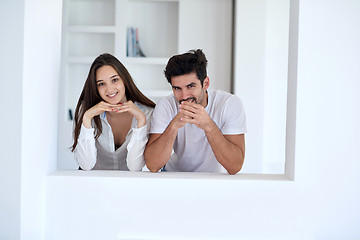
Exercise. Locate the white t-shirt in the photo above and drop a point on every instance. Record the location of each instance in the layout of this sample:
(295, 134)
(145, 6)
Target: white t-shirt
(192, 150)
(100, 154)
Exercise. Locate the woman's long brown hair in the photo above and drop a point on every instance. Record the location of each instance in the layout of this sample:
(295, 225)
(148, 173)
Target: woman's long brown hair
(90, 95)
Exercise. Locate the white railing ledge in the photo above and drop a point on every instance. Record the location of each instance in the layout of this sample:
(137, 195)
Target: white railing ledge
(170, 175)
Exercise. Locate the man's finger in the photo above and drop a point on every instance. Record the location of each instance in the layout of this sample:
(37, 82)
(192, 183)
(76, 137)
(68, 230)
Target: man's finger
(187, 113)
(189, 108)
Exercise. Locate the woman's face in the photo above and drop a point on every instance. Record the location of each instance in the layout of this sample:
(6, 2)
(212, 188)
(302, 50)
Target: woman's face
(110, 86)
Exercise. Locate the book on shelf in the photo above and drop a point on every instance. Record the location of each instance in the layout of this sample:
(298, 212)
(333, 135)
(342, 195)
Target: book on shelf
(133, 48)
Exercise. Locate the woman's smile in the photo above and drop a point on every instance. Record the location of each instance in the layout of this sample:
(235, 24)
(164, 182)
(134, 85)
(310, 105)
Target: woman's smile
(112, 95)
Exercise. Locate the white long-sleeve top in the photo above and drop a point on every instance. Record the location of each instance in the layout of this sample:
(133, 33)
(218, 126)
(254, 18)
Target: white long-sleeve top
(100, 154)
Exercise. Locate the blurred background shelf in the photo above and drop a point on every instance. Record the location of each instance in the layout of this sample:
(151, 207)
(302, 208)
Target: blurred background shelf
(165, 28)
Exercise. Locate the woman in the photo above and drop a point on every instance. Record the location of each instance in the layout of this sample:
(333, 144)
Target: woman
(111, 119)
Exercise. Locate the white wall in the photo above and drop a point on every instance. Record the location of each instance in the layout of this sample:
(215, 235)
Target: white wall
(322, 202)
(260, 69)
(249, 73)
(29, 76)
(275, 84)
(11, 115)
(328, 114)
(41, 70)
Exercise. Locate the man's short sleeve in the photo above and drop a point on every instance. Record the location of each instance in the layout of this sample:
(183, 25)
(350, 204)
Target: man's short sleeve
(234, 117)
(162, 115)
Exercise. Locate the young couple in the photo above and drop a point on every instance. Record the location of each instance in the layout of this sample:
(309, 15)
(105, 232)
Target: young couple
(192, 130)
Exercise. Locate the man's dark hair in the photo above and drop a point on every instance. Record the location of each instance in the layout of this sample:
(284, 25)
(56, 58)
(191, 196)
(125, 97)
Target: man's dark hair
(192, 61)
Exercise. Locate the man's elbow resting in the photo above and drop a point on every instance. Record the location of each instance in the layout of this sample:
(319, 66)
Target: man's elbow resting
(153, 168)
(234, 170)
(150, 164)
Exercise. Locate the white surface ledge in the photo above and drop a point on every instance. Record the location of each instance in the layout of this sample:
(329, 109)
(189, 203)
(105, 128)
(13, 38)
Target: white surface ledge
(170, 175)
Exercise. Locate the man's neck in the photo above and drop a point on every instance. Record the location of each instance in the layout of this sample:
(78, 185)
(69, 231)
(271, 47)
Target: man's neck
(205, 100)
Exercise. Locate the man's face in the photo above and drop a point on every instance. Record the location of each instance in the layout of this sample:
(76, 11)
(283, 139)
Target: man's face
(188, 87)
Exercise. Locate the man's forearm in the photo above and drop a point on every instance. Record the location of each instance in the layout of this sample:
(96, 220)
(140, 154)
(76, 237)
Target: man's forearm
(158, 152)
(227, 153)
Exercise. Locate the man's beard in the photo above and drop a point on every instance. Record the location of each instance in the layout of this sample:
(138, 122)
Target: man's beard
(189, 99)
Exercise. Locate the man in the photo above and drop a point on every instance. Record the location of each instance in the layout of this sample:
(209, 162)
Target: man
(204, 128)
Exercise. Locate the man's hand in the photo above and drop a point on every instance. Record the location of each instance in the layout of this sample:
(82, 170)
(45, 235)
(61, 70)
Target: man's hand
(229, 150)
(195, 114)
(179, 120)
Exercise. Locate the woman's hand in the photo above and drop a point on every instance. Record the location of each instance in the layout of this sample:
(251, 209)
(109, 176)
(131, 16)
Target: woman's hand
(130, 107)
(97, 110)
(102, 106)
